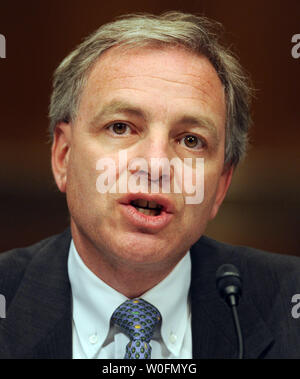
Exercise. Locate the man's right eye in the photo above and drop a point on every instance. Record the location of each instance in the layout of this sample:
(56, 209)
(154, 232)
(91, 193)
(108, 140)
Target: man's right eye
(119, 128)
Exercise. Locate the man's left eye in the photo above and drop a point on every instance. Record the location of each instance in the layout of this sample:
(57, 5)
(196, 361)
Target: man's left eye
(192, 142)
(119, 128)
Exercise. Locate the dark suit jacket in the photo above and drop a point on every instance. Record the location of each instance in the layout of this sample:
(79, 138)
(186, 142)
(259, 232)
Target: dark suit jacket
(38, 321)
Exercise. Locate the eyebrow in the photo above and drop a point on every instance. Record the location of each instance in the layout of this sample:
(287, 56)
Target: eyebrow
(201, 121)
(124, 107)
(119, 106)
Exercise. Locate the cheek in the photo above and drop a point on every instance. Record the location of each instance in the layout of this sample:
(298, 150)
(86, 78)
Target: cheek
(200, 182)
(200, 196)
(212, 172)
(197, 213)
(195, 221)
(92, 177)
(81, 174)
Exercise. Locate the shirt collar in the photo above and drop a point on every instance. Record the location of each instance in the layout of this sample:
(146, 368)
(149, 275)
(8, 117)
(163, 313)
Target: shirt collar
(170, 297)
(94, 302)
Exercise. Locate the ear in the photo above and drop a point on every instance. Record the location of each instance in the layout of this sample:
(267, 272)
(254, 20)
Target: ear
(60, 151)
(222, 189)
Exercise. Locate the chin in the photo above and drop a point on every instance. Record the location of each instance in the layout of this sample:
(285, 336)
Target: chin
(143, 248)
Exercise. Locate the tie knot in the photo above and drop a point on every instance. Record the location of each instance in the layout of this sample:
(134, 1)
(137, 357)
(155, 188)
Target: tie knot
(137, 318)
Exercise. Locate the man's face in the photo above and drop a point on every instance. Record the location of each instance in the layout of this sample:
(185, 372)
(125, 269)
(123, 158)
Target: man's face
(151, 103)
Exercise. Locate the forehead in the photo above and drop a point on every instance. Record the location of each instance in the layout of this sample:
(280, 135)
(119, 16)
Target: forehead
(170, 74)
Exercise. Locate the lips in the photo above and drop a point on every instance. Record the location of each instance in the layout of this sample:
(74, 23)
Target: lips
(149, 212)
(153, 201)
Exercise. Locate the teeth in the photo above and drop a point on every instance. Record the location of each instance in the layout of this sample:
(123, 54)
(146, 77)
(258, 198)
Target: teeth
(142, 203)
(149, 212)
(153, 205)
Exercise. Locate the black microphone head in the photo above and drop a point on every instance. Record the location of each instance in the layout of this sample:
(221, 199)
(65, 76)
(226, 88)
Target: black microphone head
(229, 283)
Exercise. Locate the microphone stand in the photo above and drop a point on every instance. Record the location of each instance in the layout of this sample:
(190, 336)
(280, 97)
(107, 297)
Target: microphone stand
(229, 285)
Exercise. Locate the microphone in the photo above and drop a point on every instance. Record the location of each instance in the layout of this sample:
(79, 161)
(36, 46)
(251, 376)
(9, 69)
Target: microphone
(229, 285)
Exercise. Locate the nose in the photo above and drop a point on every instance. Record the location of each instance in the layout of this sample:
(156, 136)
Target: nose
(155, 151)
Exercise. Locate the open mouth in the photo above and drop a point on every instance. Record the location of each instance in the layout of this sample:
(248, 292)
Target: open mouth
(150, 208)
(152, 213)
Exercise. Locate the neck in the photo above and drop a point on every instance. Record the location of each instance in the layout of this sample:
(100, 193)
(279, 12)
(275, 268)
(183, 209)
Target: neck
(132, 283)
(132, 279)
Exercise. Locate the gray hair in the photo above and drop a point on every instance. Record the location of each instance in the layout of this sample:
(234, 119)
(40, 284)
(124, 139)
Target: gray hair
(197, 34)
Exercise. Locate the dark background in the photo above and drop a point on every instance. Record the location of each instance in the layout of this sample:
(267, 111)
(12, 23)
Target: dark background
(263, 205)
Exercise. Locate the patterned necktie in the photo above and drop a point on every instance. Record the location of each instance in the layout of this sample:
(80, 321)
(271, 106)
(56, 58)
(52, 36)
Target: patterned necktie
(137, 319)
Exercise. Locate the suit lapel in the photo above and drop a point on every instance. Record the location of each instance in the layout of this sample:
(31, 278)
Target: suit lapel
(212, 324)
(39, 319)
(38, 323)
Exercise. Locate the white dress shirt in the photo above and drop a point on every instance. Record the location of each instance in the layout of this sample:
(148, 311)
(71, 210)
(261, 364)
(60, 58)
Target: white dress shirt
(94, 303)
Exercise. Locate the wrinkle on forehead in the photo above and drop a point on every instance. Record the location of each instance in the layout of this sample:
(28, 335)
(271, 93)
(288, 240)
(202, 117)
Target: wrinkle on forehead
(175, 81)
(207, 85)
(107, 62)
(128, 82)
(175, 72)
